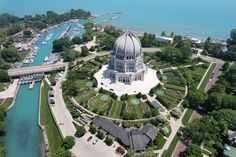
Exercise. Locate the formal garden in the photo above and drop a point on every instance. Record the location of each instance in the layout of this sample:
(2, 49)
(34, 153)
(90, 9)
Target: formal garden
(174, 83)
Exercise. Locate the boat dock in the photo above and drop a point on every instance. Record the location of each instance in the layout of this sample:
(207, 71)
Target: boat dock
(31, 79)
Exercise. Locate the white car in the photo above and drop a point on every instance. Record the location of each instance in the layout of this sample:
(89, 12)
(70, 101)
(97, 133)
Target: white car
(94, 142)
(61, 123)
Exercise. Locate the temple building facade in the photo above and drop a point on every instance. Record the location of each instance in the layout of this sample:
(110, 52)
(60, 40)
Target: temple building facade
(126, 64)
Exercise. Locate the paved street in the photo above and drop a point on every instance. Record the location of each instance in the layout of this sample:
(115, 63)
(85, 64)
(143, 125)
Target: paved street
(215, 76)
(60, 112)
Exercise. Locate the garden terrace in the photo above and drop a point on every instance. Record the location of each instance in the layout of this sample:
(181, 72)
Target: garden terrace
(193, 75)
(173, 90)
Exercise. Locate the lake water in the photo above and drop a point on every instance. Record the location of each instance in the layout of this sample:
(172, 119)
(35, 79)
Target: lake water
(198, 18)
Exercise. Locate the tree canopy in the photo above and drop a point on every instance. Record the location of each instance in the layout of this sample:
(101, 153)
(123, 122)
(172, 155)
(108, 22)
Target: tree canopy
(10, 55)
(193, 151)
(68, 142)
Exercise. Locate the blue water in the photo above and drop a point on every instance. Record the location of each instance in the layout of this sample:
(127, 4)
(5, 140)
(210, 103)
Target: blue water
(199, 18)
(23, 138)
(23, 135)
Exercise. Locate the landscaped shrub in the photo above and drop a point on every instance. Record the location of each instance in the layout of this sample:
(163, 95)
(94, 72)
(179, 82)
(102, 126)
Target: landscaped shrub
(92, 129)
(68, 142)
(164, 102)
(108, 141)
(80, 131)
(144, 97)
(100, 135)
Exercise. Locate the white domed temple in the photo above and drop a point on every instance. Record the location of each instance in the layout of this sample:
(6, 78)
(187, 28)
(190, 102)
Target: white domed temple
(126, 64)
(126, 72)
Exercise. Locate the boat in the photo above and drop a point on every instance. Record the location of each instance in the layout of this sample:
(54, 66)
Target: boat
(45, 59)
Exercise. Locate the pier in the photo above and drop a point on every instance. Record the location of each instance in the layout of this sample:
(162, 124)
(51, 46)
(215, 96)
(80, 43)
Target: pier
(26, 79)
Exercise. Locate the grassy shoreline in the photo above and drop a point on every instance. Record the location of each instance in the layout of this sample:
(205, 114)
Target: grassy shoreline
(53, 134)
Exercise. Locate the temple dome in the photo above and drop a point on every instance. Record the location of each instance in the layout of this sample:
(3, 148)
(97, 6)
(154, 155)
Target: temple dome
(127, 44)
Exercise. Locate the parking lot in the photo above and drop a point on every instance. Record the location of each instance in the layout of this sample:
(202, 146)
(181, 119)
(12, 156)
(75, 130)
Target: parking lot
(86, 148)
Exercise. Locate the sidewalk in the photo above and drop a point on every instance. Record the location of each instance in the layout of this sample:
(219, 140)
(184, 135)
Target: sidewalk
(10, 92)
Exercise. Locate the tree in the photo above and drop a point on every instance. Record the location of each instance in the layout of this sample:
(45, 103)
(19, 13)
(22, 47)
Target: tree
(139, 95)
(77, 40)
(4, 77)
(87, 36)
(80, 131)
(106, 41)
(62, 152)
(196, 97)
(148, 40)
(100, 135)
(10, 55)
(172, 34)
(193, 151)
(163, 33)
(27, 33)
(186, 51)
(178, 41)
(69, 88)
(108, 141)
(233, 35)
(226, 66)
(84, 51)
(69, 55)
(14, 29)
(217, 88)
(61, 44)
(171, 54)
(92, 129)
(68, 142)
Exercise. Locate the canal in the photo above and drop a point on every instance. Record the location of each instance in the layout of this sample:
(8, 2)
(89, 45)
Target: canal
(23, 138)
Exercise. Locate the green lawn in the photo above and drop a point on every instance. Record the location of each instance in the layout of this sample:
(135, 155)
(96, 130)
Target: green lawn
(23, 54)
(208, 76)
(99, 105)
(187, 116)
(3, 86)
(175, 87)
(6, 103)
(115, 109)
(171, 148)
(53, 134)
(83, 97)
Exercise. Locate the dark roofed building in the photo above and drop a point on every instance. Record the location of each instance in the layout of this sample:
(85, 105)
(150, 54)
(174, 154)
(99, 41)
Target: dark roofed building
(150, 131)
(135, 139)
(117, 132)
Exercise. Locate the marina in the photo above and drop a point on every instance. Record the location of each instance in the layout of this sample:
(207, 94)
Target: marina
(23, 137)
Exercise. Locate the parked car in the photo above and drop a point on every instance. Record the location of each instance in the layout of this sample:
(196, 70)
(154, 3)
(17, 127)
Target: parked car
(90, 137)
(94, 142)
(120, 151)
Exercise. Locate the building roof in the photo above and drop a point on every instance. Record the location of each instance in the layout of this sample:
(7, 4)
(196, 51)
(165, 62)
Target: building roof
(150, 131)
(229, 151)
(138, 141)
(232, 134)
(135, 138)
(111, 128)
(127, 44)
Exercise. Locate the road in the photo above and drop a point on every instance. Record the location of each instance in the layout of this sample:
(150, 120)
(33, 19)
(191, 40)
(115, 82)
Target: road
(215, 76)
